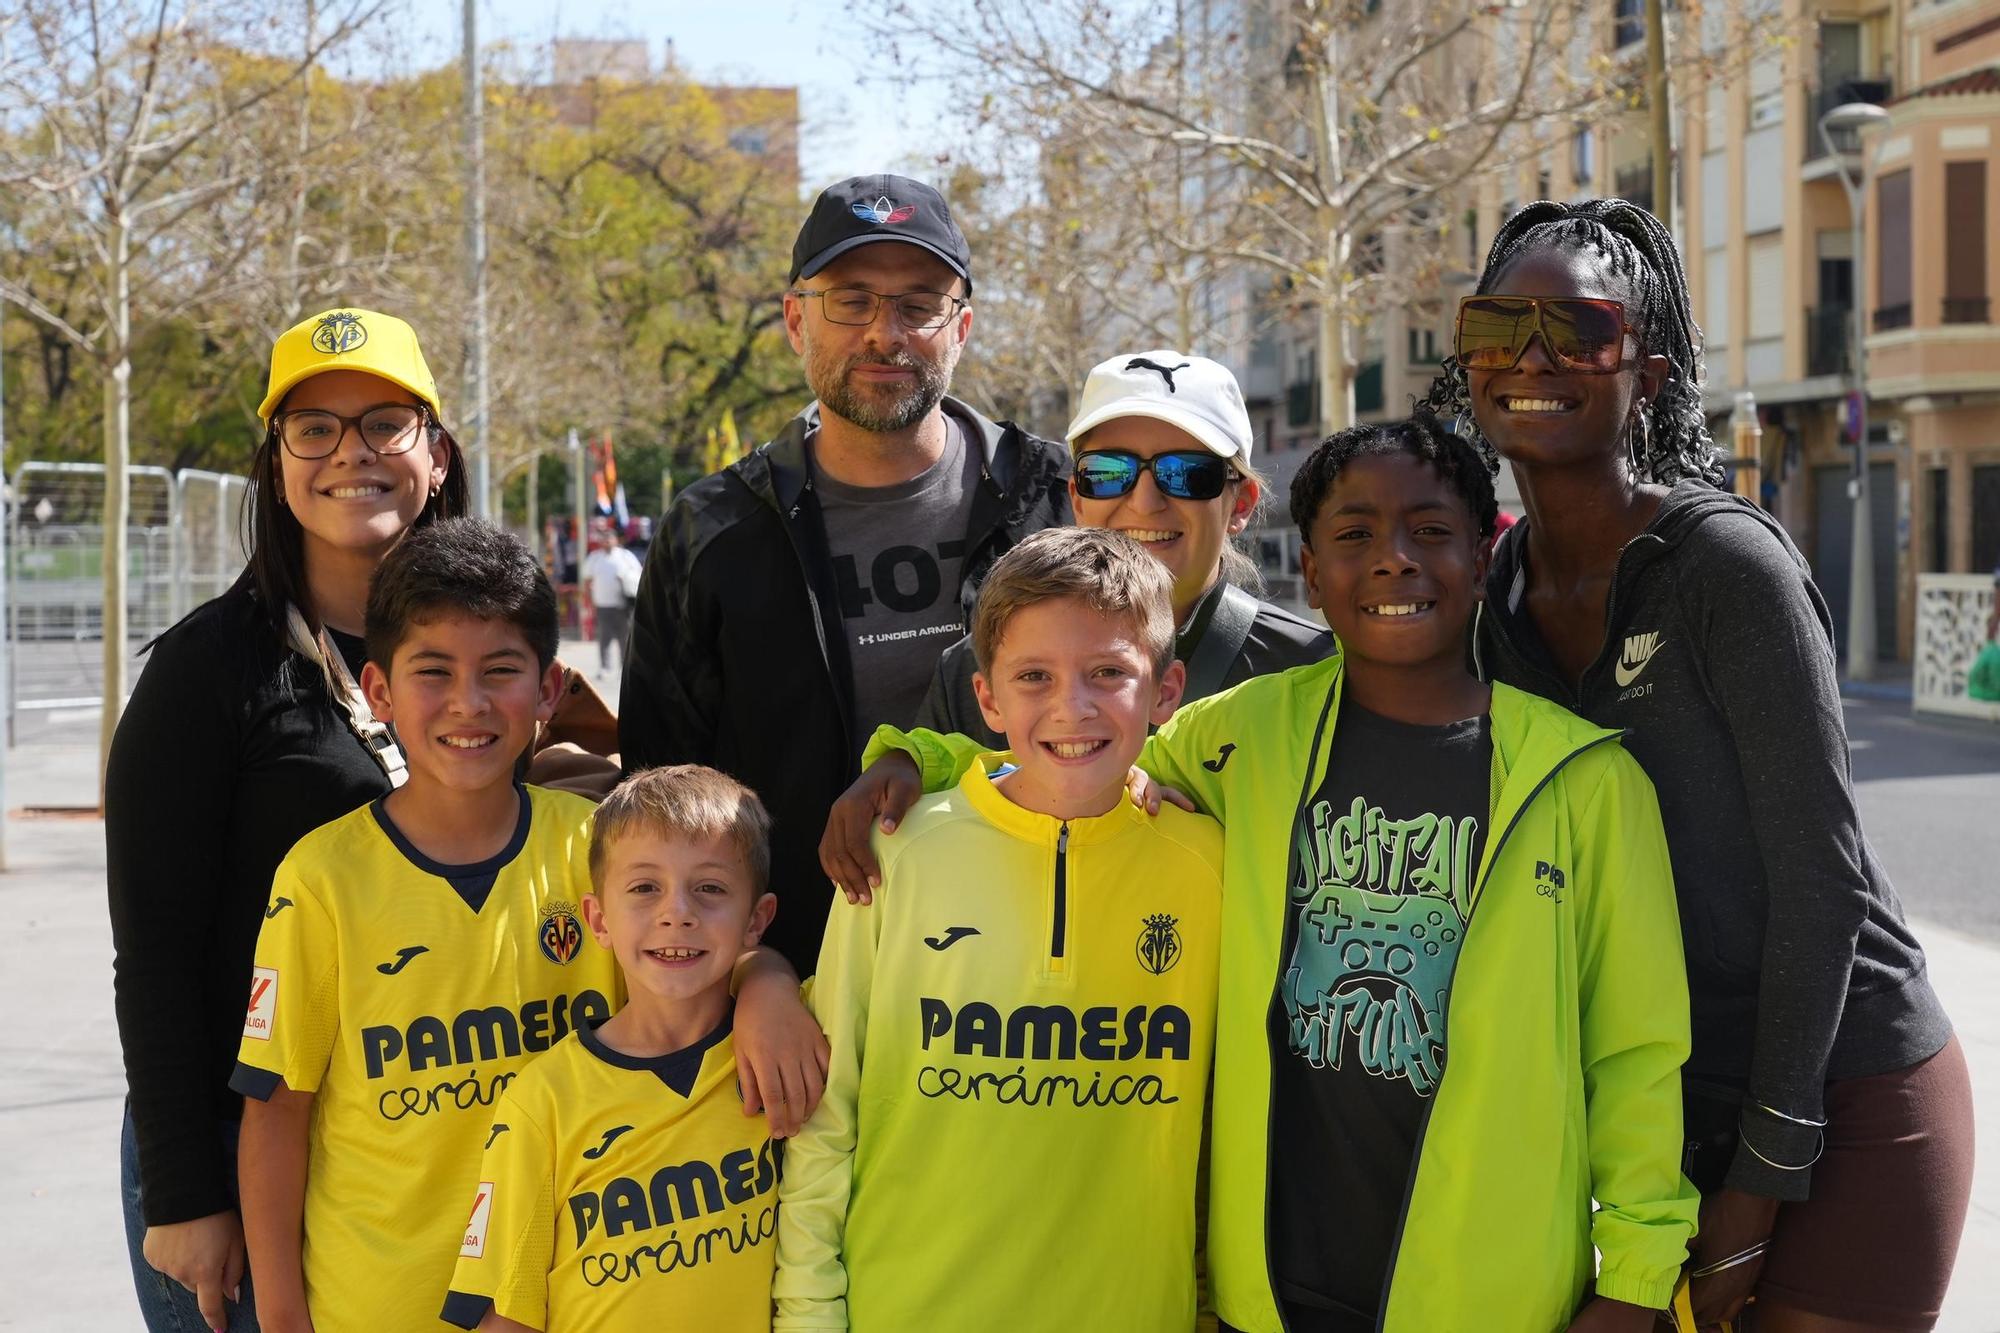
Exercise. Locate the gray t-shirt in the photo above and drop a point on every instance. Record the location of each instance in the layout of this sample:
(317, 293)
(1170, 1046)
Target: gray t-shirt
(897, 552)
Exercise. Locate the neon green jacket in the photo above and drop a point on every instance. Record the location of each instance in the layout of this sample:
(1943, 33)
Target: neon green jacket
(1569, 1016)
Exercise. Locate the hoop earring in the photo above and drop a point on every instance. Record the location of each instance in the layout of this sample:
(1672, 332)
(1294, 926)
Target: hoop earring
(1639, 440)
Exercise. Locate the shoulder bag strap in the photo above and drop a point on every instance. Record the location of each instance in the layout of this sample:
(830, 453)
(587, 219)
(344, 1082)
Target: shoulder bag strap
(374, 736)
(1221, 642)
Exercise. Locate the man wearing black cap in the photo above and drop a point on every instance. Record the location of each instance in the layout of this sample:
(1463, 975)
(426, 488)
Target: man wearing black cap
(798, 598)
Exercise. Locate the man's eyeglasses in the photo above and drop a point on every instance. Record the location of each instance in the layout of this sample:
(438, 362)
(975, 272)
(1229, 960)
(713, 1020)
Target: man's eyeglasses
(1190, 474)
(391, 428)
(1583, 336)
(919, 311)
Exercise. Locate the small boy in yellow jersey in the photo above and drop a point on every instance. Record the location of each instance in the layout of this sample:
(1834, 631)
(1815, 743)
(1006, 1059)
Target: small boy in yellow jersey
(1022, 1023)
(622, 1189)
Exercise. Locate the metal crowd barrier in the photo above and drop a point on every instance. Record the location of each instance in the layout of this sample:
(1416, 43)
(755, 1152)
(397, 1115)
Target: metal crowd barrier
(184, 539)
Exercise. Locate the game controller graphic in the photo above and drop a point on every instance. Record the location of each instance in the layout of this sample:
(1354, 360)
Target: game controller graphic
(1377, 965)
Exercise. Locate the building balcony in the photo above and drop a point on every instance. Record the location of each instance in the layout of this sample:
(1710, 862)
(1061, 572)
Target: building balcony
(1891, 317)
(1874, 91)
(1829, 340)
(1965, 310)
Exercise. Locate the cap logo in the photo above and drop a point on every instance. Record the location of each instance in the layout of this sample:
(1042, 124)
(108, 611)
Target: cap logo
(884, 210)
(1165, 372)
(341, 331)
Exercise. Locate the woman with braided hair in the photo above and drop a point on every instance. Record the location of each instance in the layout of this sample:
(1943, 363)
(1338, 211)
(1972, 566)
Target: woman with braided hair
(1829, 1118)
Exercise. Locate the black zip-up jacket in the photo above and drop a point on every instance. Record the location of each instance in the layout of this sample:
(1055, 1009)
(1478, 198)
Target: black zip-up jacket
(1718, 660)
(739, 658)
(1278, 641)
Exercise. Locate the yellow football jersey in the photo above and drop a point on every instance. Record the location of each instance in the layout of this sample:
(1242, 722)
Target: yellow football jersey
(1021, 1027)
(623, 1195)
(406, 995)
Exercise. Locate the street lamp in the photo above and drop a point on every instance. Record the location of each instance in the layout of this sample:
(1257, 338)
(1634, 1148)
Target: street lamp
(1858, 116)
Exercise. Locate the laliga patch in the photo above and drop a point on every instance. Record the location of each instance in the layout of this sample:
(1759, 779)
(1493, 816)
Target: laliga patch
(560, 933)
(475, 1226)
(263, 1003)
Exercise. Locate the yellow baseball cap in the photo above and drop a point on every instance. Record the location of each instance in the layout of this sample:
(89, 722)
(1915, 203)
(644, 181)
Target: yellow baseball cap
(349, 339)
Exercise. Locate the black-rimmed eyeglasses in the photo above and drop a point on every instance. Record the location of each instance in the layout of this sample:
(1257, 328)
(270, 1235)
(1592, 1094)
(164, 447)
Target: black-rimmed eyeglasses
(920, 312)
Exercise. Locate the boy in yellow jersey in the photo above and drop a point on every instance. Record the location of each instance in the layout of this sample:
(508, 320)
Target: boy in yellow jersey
(622, 1190)
(1022, 1023)
(416, 953)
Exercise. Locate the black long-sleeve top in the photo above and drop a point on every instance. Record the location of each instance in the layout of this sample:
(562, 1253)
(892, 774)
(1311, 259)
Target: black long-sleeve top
(1718, 660)
(230, 751)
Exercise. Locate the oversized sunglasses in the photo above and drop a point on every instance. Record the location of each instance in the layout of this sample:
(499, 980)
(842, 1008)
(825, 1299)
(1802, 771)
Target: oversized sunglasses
(1582, 335)
(1188, 474)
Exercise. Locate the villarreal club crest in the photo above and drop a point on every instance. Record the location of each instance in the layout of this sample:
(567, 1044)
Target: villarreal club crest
(1159, 946)
(560, 934)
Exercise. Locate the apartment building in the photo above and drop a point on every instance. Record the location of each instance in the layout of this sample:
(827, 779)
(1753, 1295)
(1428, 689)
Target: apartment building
(1765, 230)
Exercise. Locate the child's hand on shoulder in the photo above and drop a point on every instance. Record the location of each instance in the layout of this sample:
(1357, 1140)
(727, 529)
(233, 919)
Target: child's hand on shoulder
(1148, 792)
(781, 1054)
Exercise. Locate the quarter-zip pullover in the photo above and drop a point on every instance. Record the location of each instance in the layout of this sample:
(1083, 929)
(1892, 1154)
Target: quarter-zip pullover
(1021, 1027)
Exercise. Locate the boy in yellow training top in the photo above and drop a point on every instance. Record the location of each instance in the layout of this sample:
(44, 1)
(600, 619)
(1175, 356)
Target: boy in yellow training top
(1021, 1025)
(416, 954)
(622, 1190)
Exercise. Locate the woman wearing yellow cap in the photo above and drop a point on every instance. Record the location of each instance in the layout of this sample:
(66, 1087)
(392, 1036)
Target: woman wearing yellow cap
(245, 732)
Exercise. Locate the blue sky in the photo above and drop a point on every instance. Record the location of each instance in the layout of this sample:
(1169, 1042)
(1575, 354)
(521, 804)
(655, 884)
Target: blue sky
(857, 116)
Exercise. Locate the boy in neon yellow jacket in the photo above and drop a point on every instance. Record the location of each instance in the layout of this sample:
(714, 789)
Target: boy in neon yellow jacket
(1452, 1005)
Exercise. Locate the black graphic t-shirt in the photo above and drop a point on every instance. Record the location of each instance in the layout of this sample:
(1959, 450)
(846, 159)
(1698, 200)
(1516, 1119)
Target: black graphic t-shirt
(1387, 853)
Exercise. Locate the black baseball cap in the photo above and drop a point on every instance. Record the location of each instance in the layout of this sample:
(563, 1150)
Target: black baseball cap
(864, 209)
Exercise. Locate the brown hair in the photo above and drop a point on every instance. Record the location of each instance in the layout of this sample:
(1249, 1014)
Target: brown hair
(679, 803)
(1106, 571)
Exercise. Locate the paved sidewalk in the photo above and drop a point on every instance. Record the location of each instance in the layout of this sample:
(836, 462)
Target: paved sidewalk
(62, 1257)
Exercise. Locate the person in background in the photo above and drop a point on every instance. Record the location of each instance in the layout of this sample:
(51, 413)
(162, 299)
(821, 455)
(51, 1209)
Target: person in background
(612, 572)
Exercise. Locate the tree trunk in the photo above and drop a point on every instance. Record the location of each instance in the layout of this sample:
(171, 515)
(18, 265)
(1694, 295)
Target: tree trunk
(1336, 379)
(1336, 385)
(117, 482)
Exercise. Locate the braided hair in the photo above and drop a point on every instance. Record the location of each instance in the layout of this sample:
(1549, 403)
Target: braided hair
(1639, 250)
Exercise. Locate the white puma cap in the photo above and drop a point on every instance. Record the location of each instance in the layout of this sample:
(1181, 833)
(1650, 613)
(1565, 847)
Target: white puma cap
(1192, 392)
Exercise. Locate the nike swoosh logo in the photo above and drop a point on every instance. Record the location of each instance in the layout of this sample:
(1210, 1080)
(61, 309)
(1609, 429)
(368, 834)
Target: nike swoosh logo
(951, 936)
(280, 905)
(1627, 672)
(610, 1136)
(1639, 650)
(1216, 764)
(403, 957)
(499, 1128)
